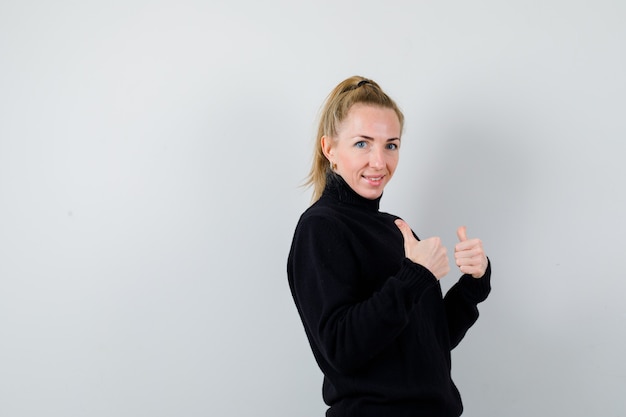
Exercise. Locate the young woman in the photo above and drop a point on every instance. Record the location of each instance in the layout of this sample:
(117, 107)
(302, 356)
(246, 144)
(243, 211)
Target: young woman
(367, 290)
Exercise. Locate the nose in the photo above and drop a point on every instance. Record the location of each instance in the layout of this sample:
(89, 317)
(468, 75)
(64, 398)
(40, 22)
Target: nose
(377, 159)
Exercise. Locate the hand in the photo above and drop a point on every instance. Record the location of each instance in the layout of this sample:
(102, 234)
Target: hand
(469, 254)
(429, 253)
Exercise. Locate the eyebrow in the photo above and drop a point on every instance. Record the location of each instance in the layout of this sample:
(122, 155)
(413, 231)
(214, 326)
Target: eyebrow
(371, 138)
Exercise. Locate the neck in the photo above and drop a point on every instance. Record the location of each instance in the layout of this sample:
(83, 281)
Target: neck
(337, 188)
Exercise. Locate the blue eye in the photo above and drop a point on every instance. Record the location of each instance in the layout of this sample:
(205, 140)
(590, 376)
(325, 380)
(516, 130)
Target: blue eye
(360, 144)
(392, 146)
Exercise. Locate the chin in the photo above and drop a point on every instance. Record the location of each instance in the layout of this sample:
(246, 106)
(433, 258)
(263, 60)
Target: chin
(371, 194)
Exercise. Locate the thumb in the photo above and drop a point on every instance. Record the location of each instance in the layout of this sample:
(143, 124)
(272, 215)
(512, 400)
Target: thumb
(404, 229)
(461, 232)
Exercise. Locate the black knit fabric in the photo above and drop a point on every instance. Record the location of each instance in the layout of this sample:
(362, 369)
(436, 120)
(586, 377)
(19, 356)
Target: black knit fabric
(377, 323)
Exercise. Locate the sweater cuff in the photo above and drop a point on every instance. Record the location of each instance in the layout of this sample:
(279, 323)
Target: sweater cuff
(416, 277)
(477, 289)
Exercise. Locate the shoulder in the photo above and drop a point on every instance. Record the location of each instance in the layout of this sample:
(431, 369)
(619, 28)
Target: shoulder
(389, 215)
(323, 214)
(320, 238)
(320, 219)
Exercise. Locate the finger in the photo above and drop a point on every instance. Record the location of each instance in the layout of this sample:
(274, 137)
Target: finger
(468, 253)
(469, 244)
(404, 229)
(476, 260)
(475, 271)
(470, 270)
(461, 233)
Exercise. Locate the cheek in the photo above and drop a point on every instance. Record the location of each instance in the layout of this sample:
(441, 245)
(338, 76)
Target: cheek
(353, 161)
(392, 163)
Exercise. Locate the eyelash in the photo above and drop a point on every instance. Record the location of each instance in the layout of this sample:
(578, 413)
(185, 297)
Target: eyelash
(391, 146)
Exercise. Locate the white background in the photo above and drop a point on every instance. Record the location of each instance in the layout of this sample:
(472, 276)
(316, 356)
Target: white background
(150, 158)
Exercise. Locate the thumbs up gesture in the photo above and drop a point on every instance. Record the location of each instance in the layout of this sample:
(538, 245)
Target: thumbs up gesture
(469, 254)
(429, 253)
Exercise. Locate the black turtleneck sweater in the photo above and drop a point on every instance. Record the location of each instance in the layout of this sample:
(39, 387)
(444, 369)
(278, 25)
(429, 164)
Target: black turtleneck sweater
(377, 323)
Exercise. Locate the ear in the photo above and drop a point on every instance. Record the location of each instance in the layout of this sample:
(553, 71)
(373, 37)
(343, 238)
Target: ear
(327, 147)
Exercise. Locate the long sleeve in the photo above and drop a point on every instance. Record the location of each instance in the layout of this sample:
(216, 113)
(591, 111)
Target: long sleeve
(348, 325)
(461, 303)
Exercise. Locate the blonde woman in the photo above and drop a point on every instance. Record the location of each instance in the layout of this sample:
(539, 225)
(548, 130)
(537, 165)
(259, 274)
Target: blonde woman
(367, 290)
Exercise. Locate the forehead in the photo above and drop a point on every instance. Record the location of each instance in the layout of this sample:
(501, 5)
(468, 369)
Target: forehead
(371, 120)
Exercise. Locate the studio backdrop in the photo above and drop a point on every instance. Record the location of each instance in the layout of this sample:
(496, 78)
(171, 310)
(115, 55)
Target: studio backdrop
(151, 157)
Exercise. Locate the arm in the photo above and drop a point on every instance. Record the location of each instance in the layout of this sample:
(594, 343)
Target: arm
(461, 303)
(473, 287)
(345, 325)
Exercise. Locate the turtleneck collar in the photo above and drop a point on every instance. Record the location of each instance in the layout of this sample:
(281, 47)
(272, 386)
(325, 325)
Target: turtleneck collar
(338, 189)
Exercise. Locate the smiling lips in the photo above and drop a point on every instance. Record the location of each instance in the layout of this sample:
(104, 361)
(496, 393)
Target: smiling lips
(374, 180)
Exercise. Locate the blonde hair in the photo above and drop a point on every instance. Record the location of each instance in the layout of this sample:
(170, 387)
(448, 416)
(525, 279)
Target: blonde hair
(349, 92)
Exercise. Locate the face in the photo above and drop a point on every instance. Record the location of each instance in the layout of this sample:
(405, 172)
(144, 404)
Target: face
(366, 149)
